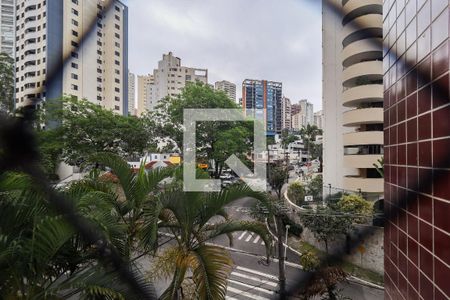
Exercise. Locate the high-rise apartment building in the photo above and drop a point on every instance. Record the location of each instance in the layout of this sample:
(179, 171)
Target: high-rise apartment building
(295, 109)
(286, 117)
(168, 79)
(7, 28)
(353, 95)
(143, 94)
(417, 143)
(306, 113)
(318, 119)
(266, 95)
(131, 94)
(228, 87)
(97, 69)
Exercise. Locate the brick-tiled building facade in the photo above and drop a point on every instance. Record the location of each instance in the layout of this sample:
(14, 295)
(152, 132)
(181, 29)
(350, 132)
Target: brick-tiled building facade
(417, 149)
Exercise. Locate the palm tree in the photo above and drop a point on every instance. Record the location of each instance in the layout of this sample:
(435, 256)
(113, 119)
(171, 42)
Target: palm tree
(42, 256)
(191, 218)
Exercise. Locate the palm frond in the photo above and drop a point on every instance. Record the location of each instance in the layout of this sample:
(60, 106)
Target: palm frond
(211, 267)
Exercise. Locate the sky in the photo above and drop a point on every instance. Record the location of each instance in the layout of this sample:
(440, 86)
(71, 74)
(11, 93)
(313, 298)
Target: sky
(278, 40)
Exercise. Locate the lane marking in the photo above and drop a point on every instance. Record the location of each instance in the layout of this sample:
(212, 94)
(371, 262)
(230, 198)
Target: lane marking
(249, 237)
(242, 235)
(256, 240)
(245, 294)
(271, 283)
(269, 292)
(257, 273)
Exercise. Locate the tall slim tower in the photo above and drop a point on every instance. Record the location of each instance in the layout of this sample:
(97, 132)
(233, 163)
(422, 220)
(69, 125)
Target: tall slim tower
(267, 95)
(353, 95)
(97, 68)
(228, 87)
(417, 135)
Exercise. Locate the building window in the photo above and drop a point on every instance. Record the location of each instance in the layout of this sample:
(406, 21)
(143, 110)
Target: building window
(75, 2)
(99, 70)
(117, 90)
(117, 98)
(74, 33)
(117, 17)
(117, 44)
(75, 22)
(116, 107)
(117, 8)
(99, 79)
(74, 44)
(75, 12)
(117, 62)
(117, 53)
(74, 87)
(99, 88)
(117, 71)
(99, 98)
(117, 80)
(117, 26)
(75, 65)
(74, 76)
(74, 54)
(117, 35)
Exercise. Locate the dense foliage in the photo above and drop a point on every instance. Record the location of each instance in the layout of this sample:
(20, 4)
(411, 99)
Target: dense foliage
(7, 79)
(216, 141)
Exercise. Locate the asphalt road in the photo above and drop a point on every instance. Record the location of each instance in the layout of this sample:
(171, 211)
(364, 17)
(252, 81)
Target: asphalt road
(252, 277)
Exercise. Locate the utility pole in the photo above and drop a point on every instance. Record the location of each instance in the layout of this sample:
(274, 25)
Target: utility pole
(281, 260)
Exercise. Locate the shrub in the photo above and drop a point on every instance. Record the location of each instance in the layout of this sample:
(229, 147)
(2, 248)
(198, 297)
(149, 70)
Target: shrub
(356, 205)
(296, 193)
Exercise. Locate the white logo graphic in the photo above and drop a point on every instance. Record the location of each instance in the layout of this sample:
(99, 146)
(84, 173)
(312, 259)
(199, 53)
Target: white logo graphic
(256, 181)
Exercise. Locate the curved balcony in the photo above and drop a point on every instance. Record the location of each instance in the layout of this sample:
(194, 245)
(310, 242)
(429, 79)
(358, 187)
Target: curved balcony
(356, 8)
(368, 49)
(362, 94)
(366, 71)
(364, 27)
(373, 115)
(364, 138)
(366, 185)
(29, 47)
(361, 161)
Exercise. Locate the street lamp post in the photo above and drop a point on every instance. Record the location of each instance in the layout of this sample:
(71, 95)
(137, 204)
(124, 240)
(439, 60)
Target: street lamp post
(285, 247)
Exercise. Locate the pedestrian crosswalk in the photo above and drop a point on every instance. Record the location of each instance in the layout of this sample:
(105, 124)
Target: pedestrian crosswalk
(245, 283)
(250, 237)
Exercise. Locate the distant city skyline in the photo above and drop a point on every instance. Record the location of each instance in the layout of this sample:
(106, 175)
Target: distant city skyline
(214, 35)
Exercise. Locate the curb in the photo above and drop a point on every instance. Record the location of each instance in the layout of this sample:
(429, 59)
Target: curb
(274, 236)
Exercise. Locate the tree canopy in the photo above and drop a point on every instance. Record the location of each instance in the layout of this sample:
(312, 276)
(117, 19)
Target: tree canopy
(79, 129)
(216, 141)
(7, 80)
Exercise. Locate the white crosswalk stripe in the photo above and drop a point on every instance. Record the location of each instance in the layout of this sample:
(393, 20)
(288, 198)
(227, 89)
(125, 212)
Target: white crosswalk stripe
(250, 237)
(245, 283)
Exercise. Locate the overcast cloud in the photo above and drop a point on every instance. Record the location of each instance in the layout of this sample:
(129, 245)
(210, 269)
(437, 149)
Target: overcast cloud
(277, 40)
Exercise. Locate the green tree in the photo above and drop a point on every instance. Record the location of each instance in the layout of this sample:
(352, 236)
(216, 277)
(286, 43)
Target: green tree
(353, 204)
(326, 224)
(216, 141)
(7, 80)
(43, 257)
(84, 128)
(278, 176)
(314, 187)
(296, 193)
